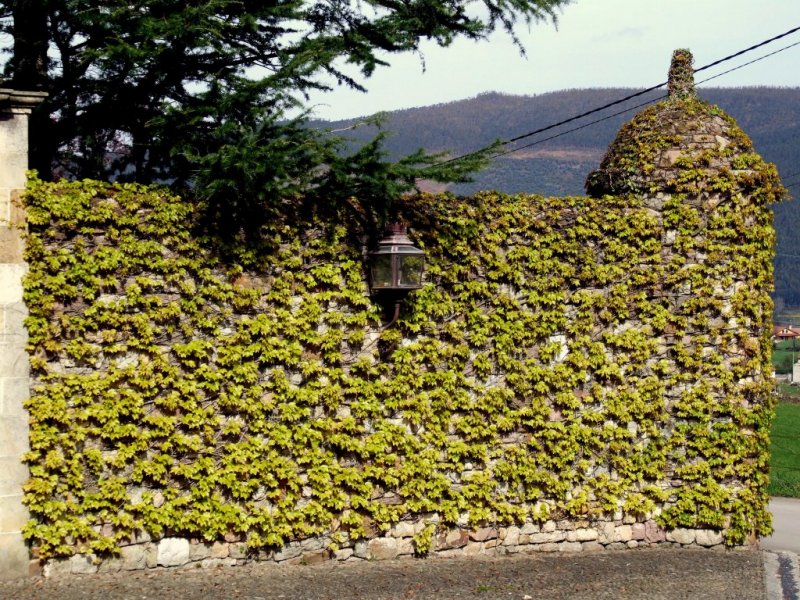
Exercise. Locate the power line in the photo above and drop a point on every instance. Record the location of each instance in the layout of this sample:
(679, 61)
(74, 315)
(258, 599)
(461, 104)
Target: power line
(589, 124)
(755, 60)
(625, 99)
(746, 50)
(622, 112)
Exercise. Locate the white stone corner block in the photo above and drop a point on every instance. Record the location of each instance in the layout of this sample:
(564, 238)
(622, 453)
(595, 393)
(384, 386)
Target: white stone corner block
(173, 552)
(11, 275)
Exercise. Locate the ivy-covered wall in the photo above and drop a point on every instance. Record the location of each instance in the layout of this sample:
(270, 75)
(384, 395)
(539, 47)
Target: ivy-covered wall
(570, 364)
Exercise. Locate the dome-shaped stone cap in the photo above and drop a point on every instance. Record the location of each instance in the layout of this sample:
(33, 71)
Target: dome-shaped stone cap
(681, 131)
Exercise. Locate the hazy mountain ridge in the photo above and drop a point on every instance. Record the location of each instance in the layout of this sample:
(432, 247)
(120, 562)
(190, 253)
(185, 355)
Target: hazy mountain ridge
(770, 116)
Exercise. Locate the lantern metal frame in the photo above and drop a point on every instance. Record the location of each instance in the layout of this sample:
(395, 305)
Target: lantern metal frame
(396, 268)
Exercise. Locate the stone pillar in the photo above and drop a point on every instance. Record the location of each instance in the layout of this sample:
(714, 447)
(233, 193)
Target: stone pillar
(15, 106)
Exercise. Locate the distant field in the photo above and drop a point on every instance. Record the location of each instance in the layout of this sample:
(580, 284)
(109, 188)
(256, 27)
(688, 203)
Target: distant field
(787, 317)
(785, 447)
(789, 393)
(784, 355)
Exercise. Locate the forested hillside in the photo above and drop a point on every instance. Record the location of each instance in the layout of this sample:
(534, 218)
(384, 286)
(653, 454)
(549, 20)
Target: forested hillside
(771, 116)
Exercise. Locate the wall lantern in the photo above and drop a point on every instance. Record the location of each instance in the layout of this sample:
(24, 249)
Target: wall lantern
(396, 267)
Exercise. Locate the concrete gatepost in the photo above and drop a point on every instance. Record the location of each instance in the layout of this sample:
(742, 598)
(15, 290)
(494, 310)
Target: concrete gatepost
(15, 106)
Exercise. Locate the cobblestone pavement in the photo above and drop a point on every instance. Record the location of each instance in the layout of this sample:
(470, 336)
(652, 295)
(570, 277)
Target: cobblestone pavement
(668, 573)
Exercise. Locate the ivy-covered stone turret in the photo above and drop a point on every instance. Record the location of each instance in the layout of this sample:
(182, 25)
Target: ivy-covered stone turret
(680, 145)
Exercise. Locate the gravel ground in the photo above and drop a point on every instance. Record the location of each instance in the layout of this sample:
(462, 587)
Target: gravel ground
(669, 573)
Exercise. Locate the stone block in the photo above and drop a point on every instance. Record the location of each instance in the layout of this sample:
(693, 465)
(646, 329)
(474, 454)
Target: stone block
(11, 245)
(219, 550)
(405, 546)
(11, 282)
(238, 551)
(403, 529)
(289, 551)
(13, 164)
(570, 547)
(14, 391)
(529, 528)
(172, 552)
(483, 534)
(474, 549)
(708, 537)
(591, 547)
(151, 555)
(453, 538)
(343, 553)
(12, 475)
(83, 564)
(511, 537)
(12, 322)
(110, 565)
(616, 546)
(653, 533)
(638, 531)
(16, 209)
(584, 534)
(134, 558)
(5, 207)
(14, 137)
(681, 536)
(35, 568)
(14, 556)
(382, 548)
(57, 568)
(13, 514)
(622, 533)
(547, 538)
(198, 551)
(605, 532)
(13, 360)
(13, 436)
(311, 544)
(316, 557)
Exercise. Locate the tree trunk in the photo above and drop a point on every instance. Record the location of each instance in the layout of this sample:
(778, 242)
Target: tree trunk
(29, 66)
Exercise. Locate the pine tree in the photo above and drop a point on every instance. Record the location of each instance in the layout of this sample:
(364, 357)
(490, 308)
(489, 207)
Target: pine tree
(198, 93)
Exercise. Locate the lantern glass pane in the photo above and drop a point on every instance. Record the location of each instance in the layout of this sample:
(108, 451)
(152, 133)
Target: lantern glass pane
(411, 267)
(382, 270)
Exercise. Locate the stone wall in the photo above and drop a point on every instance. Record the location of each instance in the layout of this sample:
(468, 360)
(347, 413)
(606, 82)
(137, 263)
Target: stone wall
(14, 383)
(576, 374)
(567, 536)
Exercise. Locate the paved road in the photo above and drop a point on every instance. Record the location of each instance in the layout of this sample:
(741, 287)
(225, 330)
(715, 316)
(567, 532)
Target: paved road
(786, 520)
(781, 549)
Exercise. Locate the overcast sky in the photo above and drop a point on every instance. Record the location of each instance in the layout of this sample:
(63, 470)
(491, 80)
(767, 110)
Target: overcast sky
(598, 43)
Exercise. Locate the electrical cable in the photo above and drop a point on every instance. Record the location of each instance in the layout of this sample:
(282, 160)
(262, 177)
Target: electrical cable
(746, 50)
(755, 60)
(661, 97)
(590, 123)
(626, 98)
